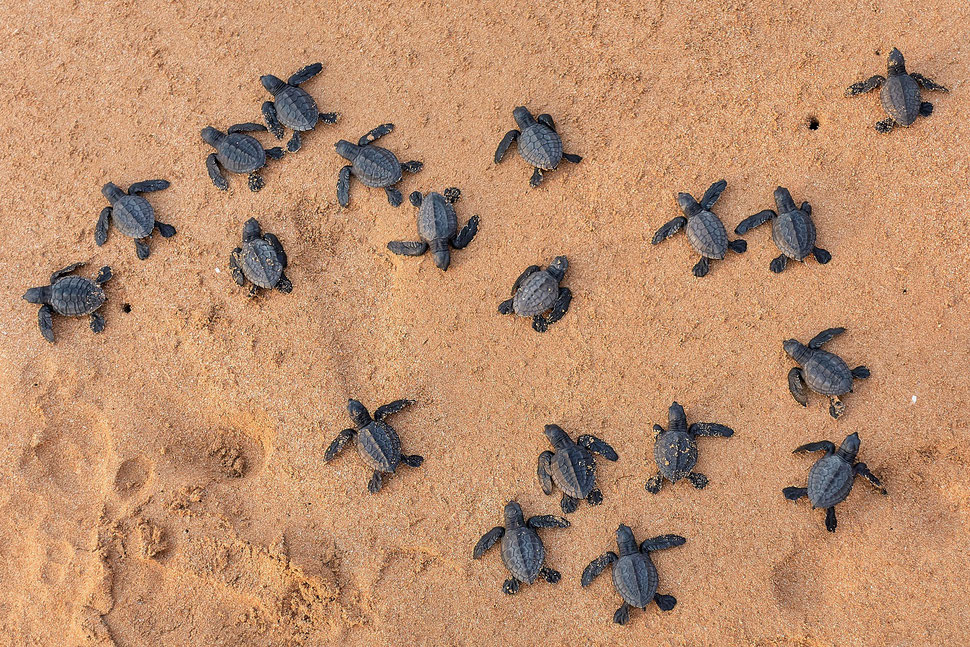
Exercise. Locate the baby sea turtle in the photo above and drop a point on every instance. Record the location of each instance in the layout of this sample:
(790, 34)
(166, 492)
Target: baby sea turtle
(237, 153)
(294, 107)
(377, 442)
(539, 143)
(437, 227)
(831, 478)
(821, 371)
(522, 550)
(374, 166)
(73, 296)
(675, 448)
(635, 577)
(260, 259)
(705, 231)
(792, 230)
(572, 467)
(900, 94)
(537, 291)
(132, 214)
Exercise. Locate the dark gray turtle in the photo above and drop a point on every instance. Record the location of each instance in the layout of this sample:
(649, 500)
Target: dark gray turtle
(831, 478)
(900, 94)
(572, 467)
(635, 577)
(294, 107)
(539, 143)
(437, 227)
(705, 231)
(73, 296)
(522, 550)
(792, 230)
(821, 371)
(374, 166)
(377, 442)
(537, 291)
(260, 259)
(132, 215)
(237, 153)
(675, 448)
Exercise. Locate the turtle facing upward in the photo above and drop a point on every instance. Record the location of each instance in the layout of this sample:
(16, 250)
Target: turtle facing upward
(572, 467)
(539, 143)
(537, 291)
(675, 449)
(792, 229)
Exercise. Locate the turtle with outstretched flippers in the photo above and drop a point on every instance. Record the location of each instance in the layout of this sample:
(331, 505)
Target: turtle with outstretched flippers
(792, 229)
(675, 449)
(539, 143)
(537, 291)
(260, 259)
(821, 371)
(69, 295)
(374, 166)
(437, 227)
(293, 106)
(831, 478)
(572, 467)
(237, 152)
(132, 215)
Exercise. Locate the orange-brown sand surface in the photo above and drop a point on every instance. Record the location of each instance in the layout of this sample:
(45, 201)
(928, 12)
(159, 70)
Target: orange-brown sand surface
(163, 483)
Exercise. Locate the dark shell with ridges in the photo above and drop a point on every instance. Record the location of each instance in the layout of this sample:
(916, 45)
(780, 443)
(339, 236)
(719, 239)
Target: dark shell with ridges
(133, 216)
(260, 263)
(239, 153)
(523, 553)
(541, 146)
(901, 98)
(707, 235)
(574, 470)
(436, 218)
(794, 234)
(676, 454)
(377, 167)
(379, 446)
(76, 296)
(536, 294)
(296, 109)
(827, 374)
(635, 579)
(829, 481)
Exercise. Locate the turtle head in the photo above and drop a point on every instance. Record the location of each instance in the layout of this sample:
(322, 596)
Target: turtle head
(523, 118)
(358, 413)
(688, 204)
(251, 230)
(38, 295)
(625, 540)
(557, 268)
(112, 192)
(513, 515)
(346, 150)
(896, 62)
(783, 200)
(441, 253)
(556, 436)
(676, 418)
(797, 350)
(850, 447)
(211, 136)
(271, 83)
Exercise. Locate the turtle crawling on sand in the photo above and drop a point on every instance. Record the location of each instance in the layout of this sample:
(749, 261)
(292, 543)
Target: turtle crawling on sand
(237, 152)
(260, 259)
(293, 106)
(537, 291)
(69, 295)
(792, 230)
(374, 166)
(821, 371)
(132, 215)
(675, 449)
(539, 143)
(437, 227)
(572, 467)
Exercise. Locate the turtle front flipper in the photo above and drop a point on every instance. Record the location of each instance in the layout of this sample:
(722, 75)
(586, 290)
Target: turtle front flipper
(97, 322)
(236, 268)
(338, 444)
(45, 320)
(779, 264)
(544, 471)
(248, 127)
(305, 73)
(712, 194)
(101, 229)
(148, 186)
(601, 447)
(710, 429)
(597, 566)
(506, 307)
(391, 408)
(547, 521)
(622, 615)
(824, 337)
(65, 270)
(568, 504)
(488, 540)
(529, 271)
(272, 120)
(142, 250)
(927, 84)
(665, 602)
(794, 493)
(885, 125)
(797, 386)
(277, 246)
(393, 196)
(819, 446)
(467, 233)
(560, 307)
(756, 220)
(830, 521)
(536, 178)
(402, 248)
(654, 484)
(702, 267)
(546, 120)
(861, 469)
(215, 173)
(343, 186)
(868, 85)
(806, 208)
(375, 483)
(661, 542)
(375, 134)
(503, 145)
(821, 255)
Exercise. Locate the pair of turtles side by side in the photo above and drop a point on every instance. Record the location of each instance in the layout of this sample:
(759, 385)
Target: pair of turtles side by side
(537, 291)
(260, 259)
(437, 227)
(831, 477)
(132, 215)
(539, 143)
(523, 553)
(377, 442)
(635, 577)
(69, 295)
(373, 165)
(900, 94)
(572, 467)
(675, 449)
(705, 231)
(821, 371)
(792, 230)
(292, 106)
(237, 152)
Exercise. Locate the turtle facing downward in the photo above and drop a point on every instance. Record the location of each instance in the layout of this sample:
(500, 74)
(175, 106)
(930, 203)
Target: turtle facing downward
(377, 442)
(237, 153)
(132, 215)
(73, 296)
(635, 577)
(705, 231)
(900, 94)
(675, 449)
(792, 230)
(437, 227)
(831, 478)
(522, 550)
(374, 166)
(821, 371)
(572, 467)
(260, 259)
(539, 143)
(294, 107)
(537, 291)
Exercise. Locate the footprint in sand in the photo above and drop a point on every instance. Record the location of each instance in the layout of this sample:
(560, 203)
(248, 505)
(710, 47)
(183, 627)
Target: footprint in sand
(132, 476)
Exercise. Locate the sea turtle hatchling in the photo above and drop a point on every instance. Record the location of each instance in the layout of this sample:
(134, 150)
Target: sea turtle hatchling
(900, 93)
(522, 550)
(70, 295)
(831, 478)
(237, 153)
(377, 442)
(293, 106)
(792, 230)
(705, 231)
(821, 371)
(675, 448)
(537, 291)
(132, 215)
(437, 227)
(572, 467)
(539, 143)
(635, 577)
(374, 166)
(260, 259)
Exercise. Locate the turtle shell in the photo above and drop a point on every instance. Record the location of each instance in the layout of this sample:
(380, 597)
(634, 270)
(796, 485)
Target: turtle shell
(574, 470)
(133, 216)
(523, 553)
(260, 263)
(829, 481)
(794, 234)
(377, 167)
(436, 218)
(901, 98)
(635, 579)
(827, 374)
(379, 446)
(707, 236)
(676, 454)
(540, 146)
(76, 296)
(296, 109)
(536, 294)
(239, 153)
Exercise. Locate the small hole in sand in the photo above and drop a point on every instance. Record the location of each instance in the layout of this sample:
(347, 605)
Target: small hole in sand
(812, 123)
(126, 307)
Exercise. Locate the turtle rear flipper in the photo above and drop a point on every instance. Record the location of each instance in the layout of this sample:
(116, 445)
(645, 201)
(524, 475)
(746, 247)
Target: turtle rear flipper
(573, 159)
(506, 307)
(885, 125)
(104, 275)
(215, 173)
(821, 255)
(167, 231)
(284, 285)
(305, 73)
(329, 117)
(375, 483)
(738, 246)
(830, 521)
(503, 146)
(868, 85)
(860, 373)
(393, 196)
(536, 178)
(654, 483)
(779, 264)
(756, 220)
(622, 615)
(925, 109)
(142, 250)
(413, 166)
(550, 575)
(665, 602)
(568, 504)
(412, 460)
(702, 267)
(295, 143)
(97, 322)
